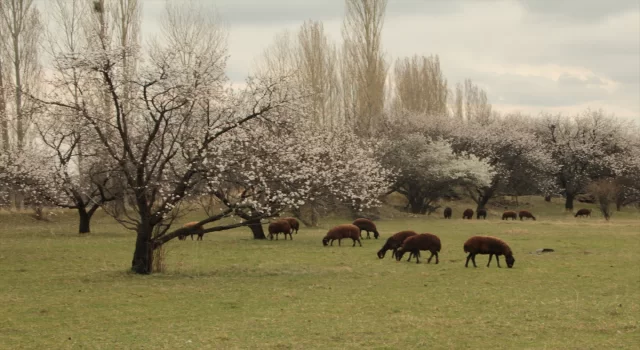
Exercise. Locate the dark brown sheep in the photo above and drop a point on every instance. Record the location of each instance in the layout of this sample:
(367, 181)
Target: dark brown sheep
(487, 245)
(468, 214)
(447, 213)
(293, 222)
(394, 242)
(583, 212)
(341, 232)
(526, 214)
(509, 214)
(279, 226)
(423, 241)
(366, 225)
(481, 213)
(197, 230)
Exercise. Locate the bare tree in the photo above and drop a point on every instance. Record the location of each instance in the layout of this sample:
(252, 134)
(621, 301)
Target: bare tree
(420, 86)
(471, 103)
(604, 190)
(316, 59)
(21, 24)
(363, 67)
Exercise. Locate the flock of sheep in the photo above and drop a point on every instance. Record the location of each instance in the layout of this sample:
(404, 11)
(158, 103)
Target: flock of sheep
(409, 241)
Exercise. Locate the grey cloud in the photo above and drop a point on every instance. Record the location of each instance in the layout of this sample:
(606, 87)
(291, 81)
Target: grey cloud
(577, 10)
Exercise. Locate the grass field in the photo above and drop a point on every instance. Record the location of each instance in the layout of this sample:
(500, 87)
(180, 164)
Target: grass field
(59, 290)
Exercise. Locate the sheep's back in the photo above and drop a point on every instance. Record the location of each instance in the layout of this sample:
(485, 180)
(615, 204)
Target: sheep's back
(486, 245)
(365, 224)
(423, 241)
(344, 231)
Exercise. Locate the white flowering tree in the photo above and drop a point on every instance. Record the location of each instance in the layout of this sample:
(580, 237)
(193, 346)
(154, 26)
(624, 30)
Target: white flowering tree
(427, 170)
(586, 147)
(183, 132)
(510, 146)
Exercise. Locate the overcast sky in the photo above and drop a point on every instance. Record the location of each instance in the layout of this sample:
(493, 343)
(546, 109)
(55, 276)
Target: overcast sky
(529, 55)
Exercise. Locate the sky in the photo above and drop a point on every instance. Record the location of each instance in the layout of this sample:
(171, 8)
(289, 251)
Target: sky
(532, 56)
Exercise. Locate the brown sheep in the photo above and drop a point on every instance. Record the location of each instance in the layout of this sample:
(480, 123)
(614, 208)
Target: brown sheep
(197, 230)
(367, 225)
(394, 242)
(488, 245)
(293, 222)
(280, 226)
(342, 231)
(481, 213)
(423, 241)
(447, 213)
(509, 214)
(468, 214)
(526, 214)
(583, 212)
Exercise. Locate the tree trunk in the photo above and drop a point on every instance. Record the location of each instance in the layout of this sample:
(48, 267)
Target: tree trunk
(143, 255)
(85, 221)
(416, 204)
(568, 203)
(256, 228)
(547, 198)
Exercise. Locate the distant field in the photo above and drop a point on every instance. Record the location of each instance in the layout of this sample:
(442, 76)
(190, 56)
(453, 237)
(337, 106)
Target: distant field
(59, 290)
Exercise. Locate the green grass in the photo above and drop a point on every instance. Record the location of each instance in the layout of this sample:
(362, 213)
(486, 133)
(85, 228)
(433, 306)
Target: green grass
(59, 290)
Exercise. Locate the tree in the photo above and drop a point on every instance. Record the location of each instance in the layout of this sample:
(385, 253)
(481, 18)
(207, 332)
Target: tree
(363, 67)
(187, 133)
(21, 28)
(427, 170)
(420, 87)
(604, 190)
(471, 103)
(510, 146)
(586, 147)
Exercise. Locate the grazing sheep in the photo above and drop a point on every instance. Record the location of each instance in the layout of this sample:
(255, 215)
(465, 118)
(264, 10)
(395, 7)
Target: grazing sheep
(394, 242)
(509, 214)
(526, 214)
(280, 226)
(293, 222)
(423, 241)
(447, 213)
(487, 245)
(342, 231)
(481, 213)
(468, 214)
(583, 212)
(367, 225)
(197, 230)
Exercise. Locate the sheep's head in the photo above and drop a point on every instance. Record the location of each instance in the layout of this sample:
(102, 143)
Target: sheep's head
(399, 254)
(325, 241)
(510, 260)
(381, 253)
(376, 235)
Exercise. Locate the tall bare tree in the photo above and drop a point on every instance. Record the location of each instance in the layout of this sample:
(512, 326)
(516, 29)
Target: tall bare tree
(470, 103)
(420, 86)
(21, 28)
(364, 67)
(316, 59)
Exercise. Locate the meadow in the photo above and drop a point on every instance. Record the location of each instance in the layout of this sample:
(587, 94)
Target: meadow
(59, 290)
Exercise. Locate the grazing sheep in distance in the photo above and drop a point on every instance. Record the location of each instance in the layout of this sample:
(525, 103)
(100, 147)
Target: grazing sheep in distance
(481, 213)
(366, 225)
(468, 214)
(197, 230)
(394, 242)
(279, 226)
(342, 231)
(583, 212)
(293, 222)
(423, 241)
(526, 214)
(447, 213)
(487, 245)
(509, 214)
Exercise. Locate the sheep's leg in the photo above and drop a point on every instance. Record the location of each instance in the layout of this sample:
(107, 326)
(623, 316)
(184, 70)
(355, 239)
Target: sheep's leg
(339, 240)
(473, 258)
(332, 242)
(498, 261)
(360, 243)
(468, 258)
(417, 255)
(490, 256)
(432, 255)
(361, 234)
(437, 261)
